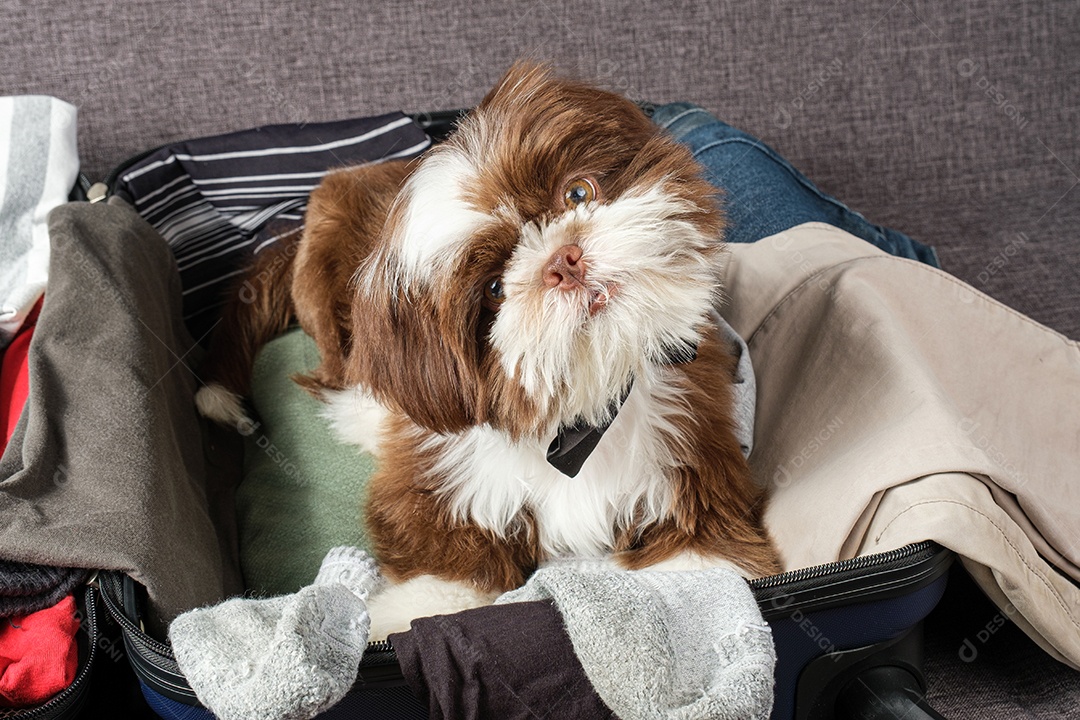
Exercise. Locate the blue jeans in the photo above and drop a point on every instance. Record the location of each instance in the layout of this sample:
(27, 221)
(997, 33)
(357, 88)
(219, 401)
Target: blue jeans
(763, 193)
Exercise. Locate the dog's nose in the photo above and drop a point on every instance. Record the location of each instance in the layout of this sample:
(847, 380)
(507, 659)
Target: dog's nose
(564, 268)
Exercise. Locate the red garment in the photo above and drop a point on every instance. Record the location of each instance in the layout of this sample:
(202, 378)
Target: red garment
(15, 377)
(38, 654)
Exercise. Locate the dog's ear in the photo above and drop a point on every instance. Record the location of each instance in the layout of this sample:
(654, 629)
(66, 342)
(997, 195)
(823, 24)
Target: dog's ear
(416, 353)
(343, 225)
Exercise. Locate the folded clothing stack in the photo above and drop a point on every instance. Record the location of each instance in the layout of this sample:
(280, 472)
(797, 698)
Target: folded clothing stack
(38, 619)
(39, 655)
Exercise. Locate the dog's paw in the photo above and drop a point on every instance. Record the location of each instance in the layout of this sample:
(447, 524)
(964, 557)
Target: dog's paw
(394, 608)
(221, 405)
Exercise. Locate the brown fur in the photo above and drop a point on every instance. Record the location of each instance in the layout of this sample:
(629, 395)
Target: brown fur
(307, 278)
(415, 535)
(424, 355)
(345, 216)
(717, 505)
(567, 130)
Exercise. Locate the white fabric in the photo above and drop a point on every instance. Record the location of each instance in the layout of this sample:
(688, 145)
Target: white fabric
(38, 166)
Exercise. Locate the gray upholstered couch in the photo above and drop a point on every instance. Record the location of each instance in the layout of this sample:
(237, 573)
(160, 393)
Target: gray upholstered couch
(957, 123)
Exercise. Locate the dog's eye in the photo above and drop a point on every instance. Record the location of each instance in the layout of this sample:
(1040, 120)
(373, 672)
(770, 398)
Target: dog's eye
(493, 293)
(579, 192)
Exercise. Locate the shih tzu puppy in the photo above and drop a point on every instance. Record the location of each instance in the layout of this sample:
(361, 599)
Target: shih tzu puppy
(518, 325)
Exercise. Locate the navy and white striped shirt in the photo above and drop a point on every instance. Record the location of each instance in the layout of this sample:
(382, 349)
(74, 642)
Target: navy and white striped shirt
(213, 198)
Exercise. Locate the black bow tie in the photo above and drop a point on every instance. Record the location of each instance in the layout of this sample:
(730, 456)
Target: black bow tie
(574, 443)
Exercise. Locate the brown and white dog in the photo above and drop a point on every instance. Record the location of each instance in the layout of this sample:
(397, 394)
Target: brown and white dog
(545, 275)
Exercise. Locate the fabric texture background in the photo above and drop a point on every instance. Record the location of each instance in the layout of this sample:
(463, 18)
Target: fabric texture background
(106, 468)
(977, 672)
(904, 406)
(955, 123)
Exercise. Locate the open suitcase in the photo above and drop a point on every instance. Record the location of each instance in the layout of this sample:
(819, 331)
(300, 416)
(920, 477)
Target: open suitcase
(847, 633)
(848, 641)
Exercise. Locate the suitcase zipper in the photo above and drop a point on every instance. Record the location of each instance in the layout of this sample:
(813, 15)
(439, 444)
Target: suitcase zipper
(862, 562)
(156, 654)
(136, 633)
(156, 659)
(379, 646)
(139, 636)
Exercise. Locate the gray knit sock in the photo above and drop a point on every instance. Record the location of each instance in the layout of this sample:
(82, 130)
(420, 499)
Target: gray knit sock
(352, 567)
(287, 657)
(685, 645)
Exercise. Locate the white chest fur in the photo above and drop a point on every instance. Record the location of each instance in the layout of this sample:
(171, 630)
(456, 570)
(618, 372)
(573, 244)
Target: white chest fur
(491, 479)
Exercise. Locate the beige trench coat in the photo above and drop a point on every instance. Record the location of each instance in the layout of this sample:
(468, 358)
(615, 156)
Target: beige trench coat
(898, 404)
